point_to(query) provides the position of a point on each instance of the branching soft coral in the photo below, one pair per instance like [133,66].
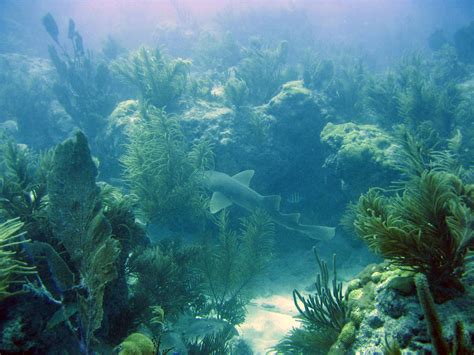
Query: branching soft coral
[232,267]
[83,85]
[323,315]
[160,81]
[23,188]
[427,228]
[163,172]
[165,276]
[10,266]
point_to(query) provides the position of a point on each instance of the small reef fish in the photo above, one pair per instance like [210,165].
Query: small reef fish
[235,189]
[294,198]
[343,185]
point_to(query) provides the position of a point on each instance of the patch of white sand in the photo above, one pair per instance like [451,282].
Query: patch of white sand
[271,316]
[268,320]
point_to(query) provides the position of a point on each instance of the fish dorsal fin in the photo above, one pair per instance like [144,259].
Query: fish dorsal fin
[291,217]
[244,177]
[218,202]
[272,202]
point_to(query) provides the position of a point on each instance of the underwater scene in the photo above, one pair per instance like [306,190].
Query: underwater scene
[236,177]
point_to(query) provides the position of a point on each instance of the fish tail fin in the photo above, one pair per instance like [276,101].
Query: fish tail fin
[318,232]
[291,217]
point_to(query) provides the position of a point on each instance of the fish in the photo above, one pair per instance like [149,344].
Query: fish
[295,198]
[227,190]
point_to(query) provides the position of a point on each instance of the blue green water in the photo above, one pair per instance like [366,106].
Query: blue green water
[230,177]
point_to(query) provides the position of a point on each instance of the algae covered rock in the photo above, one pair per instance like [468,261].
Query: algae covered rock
[237,135]
[211,120]
[292,101]
[360,155]
[125,115]
[27,99]
[389,309]
[344,340]
[136,344]
[293,115]
[355,142]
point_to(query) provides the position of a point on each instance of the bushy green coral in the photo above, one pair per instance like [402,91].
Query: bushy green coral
[232,267]
[212,343]
[382,99]
[419,102]
[307,340]
[83,85]
[236,91]
[23,188]
[163,172]
[263,70]
[464,114]
[323,316]
[423,100]
[17,178]
[10,266]
[317,72]
[159,80]
[419,91]
[346,91]
[118,209]
[427,228]
[326,308]
[165,275]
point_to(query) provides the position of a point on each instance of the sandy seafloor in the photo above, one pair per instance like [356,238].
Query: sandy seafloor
[272,314]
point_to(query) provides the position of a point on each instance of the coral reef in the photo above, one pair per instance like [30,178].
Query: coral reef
[78,221]
[463,42]
[263,70]
[359,142]
[232,266]
[427,228]
[72,247]
[83,85]
[236,92]
[43,121]
[159,80]
[10,266]
[165,275]
[323,316]
[360,155]
[163,172]
[382,304]
[107,239]
[136,344]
